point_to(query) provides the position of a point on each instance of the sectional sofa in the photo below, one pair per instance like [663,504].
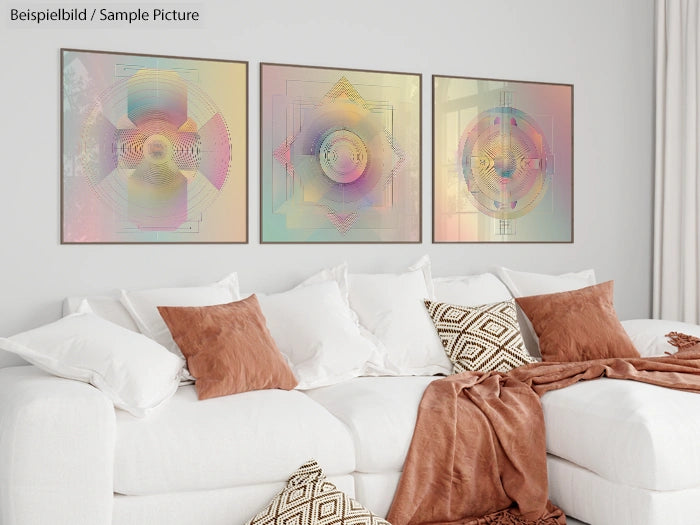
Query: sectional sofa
[619,452]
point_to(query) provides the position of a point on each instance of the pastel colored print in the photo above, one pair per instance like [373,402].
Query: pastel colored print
[340,155]
[503,161]
[154,149]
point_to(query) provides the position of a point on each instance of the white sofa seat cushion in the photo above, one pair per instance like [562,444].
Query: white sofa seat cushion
[242,439]
[627,432]
[649,335]
[233,506]
[380,413]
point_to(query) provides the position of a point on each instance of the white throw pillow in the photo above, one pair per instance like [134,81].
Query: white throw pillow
[317,332]
[136,373]
[143,306]
[470,290]
[338,273]
[105,306]
[391,308]
[523,284]
[649,335]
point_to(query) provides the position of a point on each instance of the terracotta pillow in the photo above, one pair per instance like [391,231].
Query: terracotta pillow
[228,348]
[579,325]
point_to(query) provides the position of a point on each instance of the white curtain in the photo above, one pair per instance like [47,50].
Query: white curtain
[676,278]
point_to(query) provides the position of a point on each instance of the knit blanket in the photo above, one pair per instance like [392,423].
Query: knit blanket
[478,452]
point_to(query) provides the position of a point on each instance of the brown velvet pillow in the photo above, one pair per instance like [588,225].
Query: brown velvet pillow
[578,325]
[228,348]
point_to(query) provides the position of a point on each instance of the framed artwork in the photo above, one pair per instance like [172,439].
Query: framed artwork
[340,155]
[502,161]
[154,149]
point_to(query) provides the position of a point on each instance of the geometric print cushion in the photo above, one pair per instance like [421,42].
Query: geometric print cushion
[480,338]
[309,499]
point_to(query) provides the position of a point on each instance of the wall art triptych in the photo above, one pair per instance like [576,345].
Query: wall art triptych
[155,150]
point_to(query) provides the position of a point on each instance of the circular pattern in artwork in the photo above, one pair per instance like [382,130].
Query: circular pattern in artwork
[506,162]
[341,153]
[156,149]
[343,156]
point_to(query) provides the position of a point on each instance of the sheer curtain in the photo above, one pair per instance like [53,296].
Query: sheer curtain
[677,171]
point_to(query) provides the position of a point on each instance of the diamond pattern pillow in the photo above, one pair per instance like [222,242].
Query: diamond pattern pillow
[480,338]
[310,499]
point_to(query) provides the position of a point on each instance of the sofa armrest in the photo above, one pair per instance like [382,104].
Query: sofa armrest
[56,450]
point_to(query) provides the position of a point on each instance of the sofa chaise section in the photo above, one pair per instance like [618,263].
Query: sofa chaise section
[624,452]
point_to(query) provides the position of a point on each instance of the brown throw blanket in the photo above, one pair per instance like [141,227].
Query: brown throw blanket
[478,452]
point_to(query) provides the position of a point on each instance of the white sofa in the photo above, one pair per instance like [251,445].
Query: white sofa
[620,452]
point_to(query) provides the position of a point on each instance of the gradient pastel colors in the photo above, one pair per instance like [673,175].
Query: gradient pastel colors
[502,161]
[154,149]
[340,155]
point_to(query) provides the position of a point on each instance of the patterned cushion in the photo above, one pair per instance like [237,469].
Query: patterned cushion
[480,338]
[309,499]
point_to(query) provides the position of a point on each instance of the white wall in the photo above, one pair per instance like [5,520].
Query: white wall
[603,47]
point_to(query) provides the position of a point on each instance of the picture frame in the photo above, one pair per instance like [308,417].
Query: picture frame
[502,160]
[154,149]
[340,155]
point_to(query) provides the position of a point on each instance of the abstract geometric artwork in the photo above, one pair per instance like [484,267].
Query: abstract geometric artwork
[154,149]
[502,161]
[340,155]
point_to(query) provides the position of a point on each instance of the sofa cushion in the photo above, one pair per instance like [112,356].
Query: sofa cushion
[233,506]
[317,331]
[470,290]
[627,432]
[380,413]
[242,439]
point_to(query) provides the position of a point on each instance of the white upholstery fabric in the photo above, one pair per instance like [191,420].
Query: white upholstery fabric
[649,335]
[8,359]
[628,432]
[380,413]
[592,499]
[376,491]
[243,439]
[232,506]
[56,450]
